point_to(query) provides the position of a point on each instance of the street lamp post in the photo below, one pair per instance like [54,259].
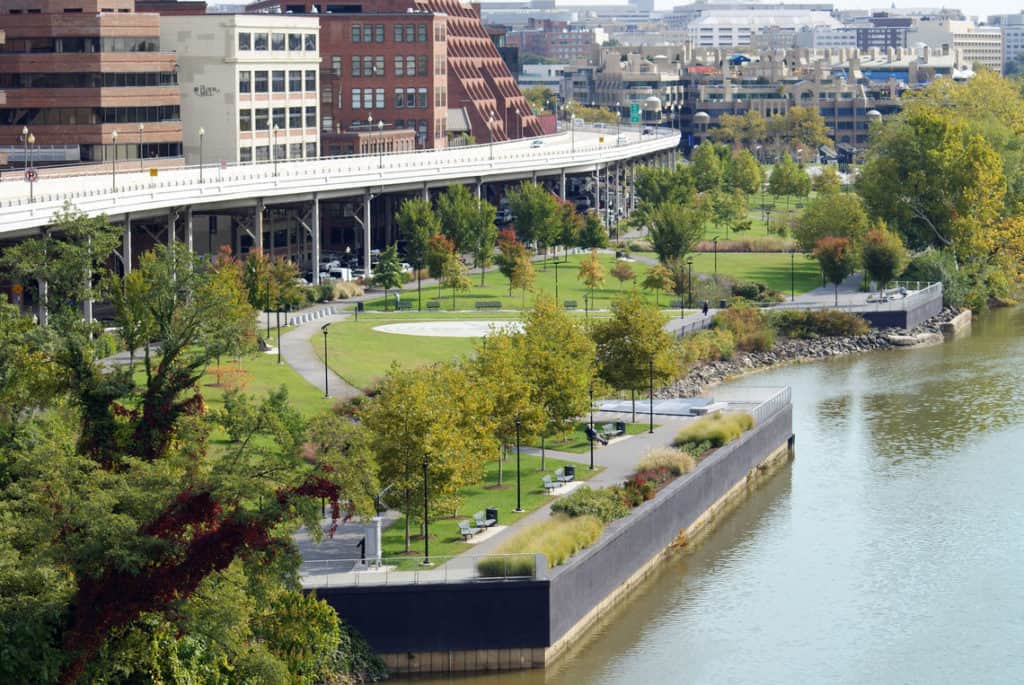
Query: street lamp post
[202,132]
[142,127]
[31,172]
[651,387]
[715,242]
[768,220]
[519,486]
[572,132]
[380,143]
[113,177]
[618,122]
[593,434]
[426,514]
[268,299]
[519,123]
[279,335]
[24,140]
[792,275]
[689,280]
[323,329]
[273,148]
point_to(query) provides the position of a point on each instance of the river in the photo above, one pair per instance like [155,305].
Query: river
[890,551]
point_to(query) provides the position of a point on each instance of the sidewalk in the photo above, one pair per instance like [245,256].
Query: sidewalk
[297,350]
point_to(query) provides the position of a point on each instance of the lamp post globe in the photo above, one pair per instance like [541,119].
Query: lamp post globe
[380,142]
[24,139]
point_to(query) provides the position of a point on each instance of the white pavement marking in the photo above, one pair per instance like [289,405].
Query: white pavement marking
[449,329]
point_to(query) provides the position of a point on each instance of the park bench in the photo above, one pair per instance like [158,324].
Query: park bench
[550,485]
[433,304]
[613,430]
[467,530]
[565,475]
[570,304]
[593,435]
[487,304]
[404,304]
[483,521]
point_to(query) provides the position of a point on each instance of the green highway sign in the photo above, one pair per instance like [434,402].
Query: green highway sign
[634,112]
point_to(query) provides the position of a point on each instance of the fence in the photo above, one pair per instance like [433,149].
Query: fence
[892,302]
[328,573]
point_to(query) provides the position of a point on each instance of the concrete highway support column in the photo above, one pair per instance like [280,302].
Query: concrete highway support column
[315,257]
[561,184]
[259,226]
[189,235]
[478,188]
[426,192]
[389,224]
[126,245]
[172,227]
[366,232]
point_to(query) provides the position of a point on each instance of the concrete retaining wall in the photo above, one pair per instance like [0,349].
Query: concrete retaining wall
[918,311]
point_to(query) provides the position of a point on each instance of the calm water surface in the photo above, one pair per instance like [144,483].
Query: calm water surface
[891,551]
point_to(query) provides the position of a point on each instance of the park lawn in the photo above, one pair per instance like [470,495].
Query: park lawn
[445,540]
[261,374]
[770,268]
[575,441]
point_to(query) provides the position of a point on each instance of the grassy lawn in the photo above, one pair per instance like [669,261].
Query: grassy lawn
[771,268]
[576,441]
[445,539]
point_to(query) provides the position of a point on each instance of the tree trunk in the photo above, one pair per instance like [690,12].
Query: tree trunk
[542,455]
[836,286]
[482,272]
[419,292]
[501,458]
[407,510]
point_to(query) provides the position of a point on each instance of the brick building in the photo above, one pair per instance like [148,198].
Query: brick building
[80,74]
[554,40]
[406,63]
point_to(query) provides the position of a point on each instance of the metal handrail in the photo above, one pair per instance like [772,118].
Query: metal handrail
[359,572]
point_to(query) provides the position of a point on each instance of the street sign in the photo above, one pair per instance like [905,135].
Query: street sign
[634,112]
[31,175]
[153,171]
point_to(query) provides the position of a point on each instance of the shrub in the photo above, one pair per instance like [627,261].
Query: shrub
[704,346]
[696,448]
[717,429]
[800,323]
[749,290]
[751,244]
[748,325]
[107,343]
[557,539]
[934,265]
[676,461]
[505,567]
[344,290]
[602,504]
[324,292]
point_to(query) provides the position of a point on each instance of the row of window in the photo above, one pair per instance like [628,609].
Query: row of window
[263,118]
[373,98]
[274,81]
[418,125]
[401,33]
[105,153]
[89,80]
[49,44]
[80,116]
[277,42]
[263,152]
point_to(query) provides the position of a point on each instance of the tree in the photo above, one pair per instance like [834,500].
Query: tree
[560,363]
[454,276]
[388,274]
[801,130]
[431,414]
[592,114]
[571,224]
[591,272]
[541,98]
[623,271]
[229,328]
[675,230]
[593,234]
[727,209]
[629,343]
[458,211]
[537,214]
[841,215]
[739,130]
[743,173]
[417,223]
[486,233]
[28,376]
[658,279]
[884,255]
[707,167]
[439,250]
[788,179]
[523,275]
[510,252]
[826,181]
[837,260]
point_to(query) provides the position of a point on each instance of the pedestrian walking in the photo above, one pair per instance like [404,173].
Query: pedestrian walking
[704,308]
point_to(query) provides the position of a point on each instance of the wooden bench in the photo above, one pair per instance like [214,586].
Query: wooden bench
[549,485]
[487,304]
[404,304]
[570,304]
[433,304]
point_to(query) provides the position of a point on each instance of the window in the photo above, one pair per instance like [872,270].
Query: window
[295,81]
[245,43]
[368,65]
[378,33]
[421,132]
[294,41]
[410,33]
[277,81]
[399,98]
[410,65]
[245,120]
[245,154]
[295,151]
[421,98]
[439,65]
[336,65]
[355,33]
[410,97]
[281,151]
[398,33]
[262,153]
[326,95]
[357,69]
[310,150]
[357,98]
[421,65]
[294,117]
[310,42]
[245,82]
[279,117]
[399,65]
[378,65]
[439,33]
[367,33]
[327,123]
[310,117]
[378,98]
[310,81]
[262,119]
[261,82]
[277,42]
[260,43]
[421,33]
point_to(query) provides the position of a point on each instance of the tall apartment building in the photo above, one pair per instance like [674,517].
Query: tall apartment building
[555,40]
[249,85]
[89,80]
[1012,27]
[435,51]
[977,44]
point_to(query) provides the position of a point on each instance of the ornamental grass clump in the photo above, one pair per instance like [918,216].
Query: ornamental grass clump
[606,505]
[716,429]
[557,539]
[676,461]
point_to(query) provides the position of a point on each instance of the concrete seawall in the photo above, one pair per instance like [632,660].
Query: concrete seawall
[961,322]
[483,625]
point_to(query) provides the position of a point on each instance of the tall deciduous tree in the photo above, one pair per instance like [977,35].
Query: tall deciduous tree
[788,179]
[827,180]
[591,272]
[570,225]
[841,215]
[454,276]
[707,167]
[658,279]
[485,235]
[622,272]
[837,260]
[675,230]
[458,211]
[388,274]
[439,251]
[593,233]
[884,255]
[537,214]
[629,343]
[523,275]
[510,252]
[743,173]
[417,223]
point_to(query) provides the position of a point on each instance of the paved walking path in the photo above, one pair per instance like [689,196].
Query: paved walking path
[297,350]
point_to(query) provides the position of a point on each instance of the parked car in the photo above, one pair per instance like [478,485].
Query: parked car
[647,131]
[537,143]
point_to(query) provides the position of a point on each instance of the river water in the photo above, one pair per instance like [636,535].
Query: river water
[890,551]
